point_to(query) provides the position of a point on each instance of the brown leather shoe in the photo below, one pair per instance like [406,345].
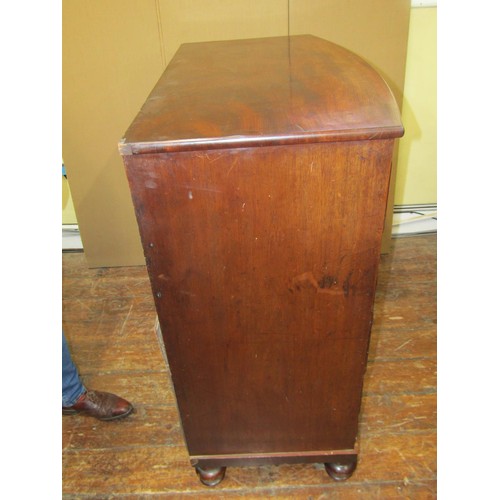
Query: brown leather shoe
[101,405]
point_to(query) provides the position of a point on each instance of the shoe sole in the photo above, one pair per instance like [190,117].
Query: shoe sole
[104,419]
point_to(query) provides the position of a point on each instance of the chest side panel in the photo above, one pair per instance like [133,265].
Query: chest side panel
[263,266]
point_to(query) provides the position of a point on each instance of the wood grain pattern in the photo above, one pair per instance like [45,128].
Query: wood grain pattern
[249,265]
[257,92]
[259,171]
[145,454]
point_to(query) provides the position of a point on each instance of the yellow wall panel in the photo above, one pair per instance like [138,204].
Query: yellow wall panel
[111,60]
[209,20]
[68,209]
[416,182]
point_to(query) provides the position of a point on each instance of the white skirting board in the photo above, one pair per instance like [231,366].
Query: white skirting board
[411,220]
[423,3]
[71,237]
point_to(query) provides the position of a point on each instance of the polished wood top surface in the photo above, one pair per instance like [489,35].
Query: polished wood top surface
[267,91]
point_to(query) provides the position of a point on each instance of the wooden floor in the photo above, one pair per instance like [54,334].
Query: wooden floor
[108,318]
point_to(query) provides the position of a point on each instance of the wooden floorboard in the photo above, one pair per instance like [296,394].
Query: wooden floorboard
[108,318]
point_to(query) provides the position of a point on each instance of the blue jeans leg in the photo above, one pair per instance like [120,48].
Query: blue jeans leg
[72,387]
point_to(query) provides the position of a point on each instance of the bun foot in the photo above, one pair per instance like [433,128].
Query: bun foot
[342,469]
[211,477]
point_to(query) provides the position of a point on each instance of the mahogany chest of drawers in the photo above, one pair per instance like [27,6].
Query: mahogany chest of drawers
[259,172]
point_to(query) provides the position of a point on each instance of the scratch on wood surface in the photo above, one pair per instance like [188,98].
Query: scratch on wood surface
[403,344]
[200,156]
[67,445]
[218,157]
[200,188]
[126,318]
[81,302]
[94,286]
[232,166]
[404,422]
